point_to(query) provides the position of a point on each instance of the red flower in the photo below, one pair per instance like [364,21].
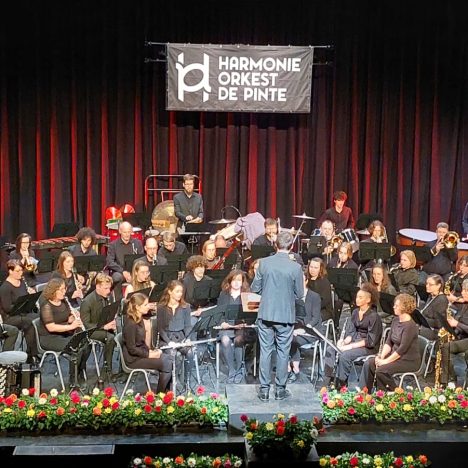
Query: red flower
[244,418]
[147,408]
[359,398]
[168,397]
[203,410]
[60,411]
[343,389]
[115,405]
[150,398]
[179,460]
[105,403]
[280,430]
[293,419]
[280,423]
[200,390]
[409,396]
[147,460]
[333,461]
[157,409]
[340,403]
[180,402]
[138,398]
[398,462]
[75,397]
[41,415]
[423,459]
[351,411]
[73,410]
[21,404]
[9,401]
[108,391]
[32,391]
[464,403]
[354,461]
[53,401]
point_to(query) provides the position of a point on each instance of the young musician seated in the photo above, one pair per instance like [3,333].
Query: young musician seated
[271,231]
[174,322]
[381,281]
[140,278]
[318,282]
[25,255]
[460,345]
[361,337]
[90,313]
[234,337]
[400,352]
[171,246]
[302,335]
[137,346]
[73,282]
[344,258]
[58,324]
[209,254]
[435,307]
[11,289]
[86,238]
[195,274]
[405,274]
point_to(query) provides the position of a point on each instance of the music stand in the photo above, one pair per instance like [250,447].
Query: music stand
[423,253]
[24,304]
[422,293]
[179,261]
[46,265]
[130,259]
[374,251]
[262,251]
[77,341]
[86,263]
[386,302]
[420,320]
[108,314]
[162,274]
[234,313]
[345,282]
[324,339]
[316,246]
[204,292]
[145,291]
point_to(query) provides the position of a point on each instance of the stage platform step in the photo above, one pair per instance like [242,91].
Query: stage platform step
[242,399]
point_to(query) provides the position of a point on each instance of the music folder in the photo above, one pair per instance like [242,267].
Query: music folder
[422,293]
[130,259]
[386,302]
[177,261]
[446,325]
[423,253]
[153,293]
[374,251]
[108,314]
[78,340]
[163,273]
[250,302]
[205,291]
[85,263]
[316,245]
[234,313]
[419,318]
[24,304]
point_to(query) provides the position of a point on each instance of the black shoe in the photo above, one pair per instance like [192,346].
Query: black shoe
[282,393]
[263,395]
[292,377]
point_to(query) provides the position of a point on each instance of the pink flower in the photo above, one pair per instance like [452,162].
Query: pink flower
[200,390]
[215,396]
[351,411]
[380,394]
[244,418]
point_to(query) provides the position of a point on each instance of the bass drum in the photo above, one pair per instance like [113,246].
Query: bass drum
[416,237]
[462,248]
[163,217]
[227,232]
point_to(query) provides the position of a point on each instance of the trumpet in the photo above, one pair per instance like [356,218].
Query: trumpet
[29,264]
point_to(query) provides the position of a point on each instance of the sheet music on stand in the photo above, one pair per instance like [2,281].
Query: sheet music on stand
[262,251]
[130,259]
[178,261]
[422,253]
[108,313]
[374,251]
[78,340]
[420,320]
[86,263]
[24,304]
[164,273]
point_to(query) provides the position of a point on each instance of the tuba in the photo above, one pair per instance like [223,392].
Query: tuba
[451,239]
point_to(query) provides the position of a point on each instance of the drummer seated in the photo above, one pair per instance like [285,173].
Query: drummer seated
[124,245]
[171,246]
[443,257]
[269,237]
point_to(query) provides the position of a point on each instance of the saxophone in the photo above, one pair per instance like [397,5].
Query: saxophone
[444,336]
[448,284]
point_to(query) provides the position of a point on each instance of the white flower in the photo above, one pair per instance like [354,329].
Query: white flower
[365,461]
[42,401]
[166,460]
[191,461]
[441,398]
[137,461]
[96,391]
[25,392]
[125,403]
[314,433]
[238,463]
[53,392]
[451,385]
[433,400]
[409,388]
[158,402]
[129,391]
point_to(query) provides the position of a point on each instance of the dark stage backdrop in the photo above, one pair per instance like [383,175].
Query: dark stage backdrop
[83,118]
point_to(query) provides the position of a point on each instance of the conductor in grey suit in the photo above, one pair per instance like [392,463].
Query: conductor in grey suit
[280,282]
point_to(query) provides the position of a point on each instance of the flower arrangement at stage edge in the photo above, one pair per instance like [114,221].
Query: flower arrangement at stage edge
[282,435]
[102,409]
[384,460]
[193,460]
[401,405]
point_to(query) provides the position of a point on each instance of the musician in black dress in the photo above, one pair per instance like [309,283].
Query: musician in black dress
[174,322]
[58,324]
[405,274]
[24,253]
[361,337]
[124,245]
[435,306]
[400,352]
[86,238]
[137,349]
[455,282]
[73,281]
[340,215]
[234,337]
[318,282]
[449,350]
[11,289]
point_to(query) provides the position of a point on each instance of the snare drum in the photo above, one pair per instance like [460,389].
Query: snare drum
[349,235]
[417,237]
[462,248]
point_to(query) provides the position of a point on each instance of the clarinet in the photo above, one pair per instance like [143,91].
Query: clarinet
[337,355]
[378,355]
[74,312]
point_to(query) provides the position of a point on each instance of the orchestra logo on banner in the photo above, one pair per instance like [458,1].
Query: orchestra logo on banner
[239,78]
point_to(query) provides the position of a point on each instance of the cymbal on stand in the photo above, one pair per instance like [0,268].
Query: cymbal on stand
[222,221]
[303,216]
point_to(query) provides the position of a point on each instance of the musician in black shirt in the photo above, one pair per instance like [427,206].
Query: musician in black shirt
[170,246]
[151,250]
[188,205]
[269,237]
[25,255]
[340,215]
[86,238]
